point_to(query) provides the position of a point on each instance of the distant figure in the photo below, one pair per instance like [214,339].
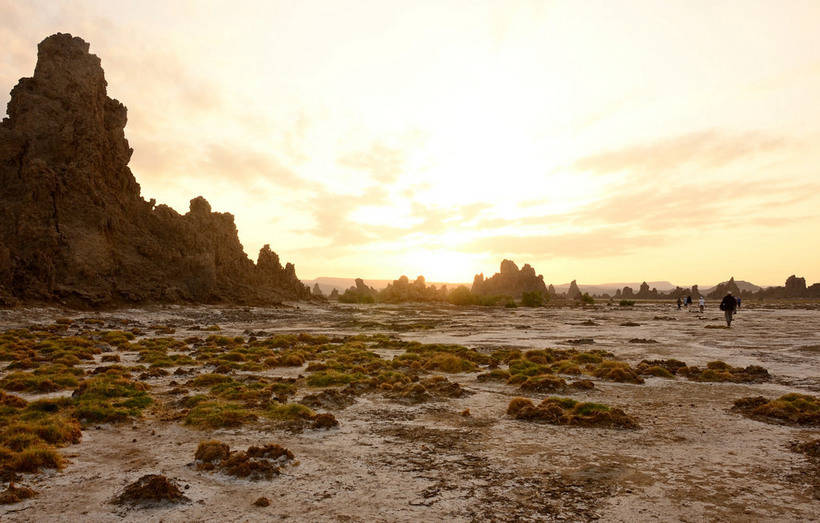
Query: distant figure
[688,301]
[679,302]
[728,306]
[738,303]
[701,304]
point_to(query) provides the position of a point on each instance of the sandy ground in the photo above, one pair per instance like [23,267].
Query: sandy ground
[692,460]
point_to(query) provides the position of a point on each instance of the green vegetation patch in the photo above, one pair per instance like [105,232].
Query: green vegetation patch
[110,399]
[719,371]
[219,414]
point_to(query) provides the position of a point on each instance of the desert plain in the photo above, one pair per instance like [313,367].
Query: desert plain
[449,450]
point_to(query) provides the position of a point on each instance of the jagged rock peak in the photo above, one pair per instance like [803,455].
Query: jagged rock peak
[509,281]
[73,226]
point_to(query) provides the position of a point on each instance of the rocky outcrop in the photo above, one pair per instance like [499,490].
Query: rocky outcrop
[403,290]
[510,281]
[573,293]
[795,287]
[317,291]
[359,293]
[723,288]
[74,227]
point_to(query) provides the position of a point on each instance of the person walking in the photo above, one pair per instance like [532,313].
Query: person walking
[679,302]
[701,304]
[728,306]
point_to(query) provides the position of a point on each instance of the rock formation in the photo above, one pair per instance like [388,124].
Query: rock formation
[721,289]
[573,292]
[317,291]
[359,293]
[73,225]
[402,290]
[795,287]
[510,281]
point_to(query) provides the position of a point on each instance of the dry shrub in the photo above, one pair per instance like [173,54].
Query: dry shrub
[544,383]
[494,375]
[720,371]
[254,463]
[618,371]
[150,489]
[451,363]
[566,411]
[325,421]
[211,450]
[15,494]
[790,409]
[516,404]
[809,448]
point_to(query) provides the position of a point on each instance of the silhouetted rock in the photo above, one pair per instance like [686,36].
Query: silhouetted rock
[359,293]
[723,288]
[73,225]
[510,281]
[795,287]
[573,292]
[402,290]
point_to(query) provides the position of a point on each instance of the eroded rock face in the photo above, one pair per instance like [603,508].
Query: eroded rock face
[795,287]
[721,289]
[73,225]
[573,292]
[510,281]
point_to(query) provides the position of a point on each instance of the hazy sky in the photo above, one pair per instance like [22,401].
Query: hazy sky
[603,141]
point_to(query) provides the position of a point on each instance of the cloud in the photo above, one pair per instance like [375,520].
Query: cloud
[705,149]
[383,163]
[592,244]
[247,165]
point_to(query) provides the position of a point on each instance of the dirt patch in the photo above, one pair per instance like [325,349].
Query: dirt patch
[330,399]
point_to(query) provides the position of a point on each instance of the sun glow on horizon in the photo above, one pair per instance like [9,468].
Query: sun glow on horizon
[598,141]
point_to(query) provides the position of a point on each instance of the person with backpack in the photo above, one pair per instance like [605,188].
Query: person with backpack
[701,304]
[728,306]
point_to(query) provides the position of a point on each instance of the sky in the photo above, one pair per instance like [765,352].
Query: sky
[599,141]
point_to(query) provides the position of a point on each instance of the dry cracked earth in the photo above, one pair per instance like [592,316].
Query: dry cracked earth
[397,457]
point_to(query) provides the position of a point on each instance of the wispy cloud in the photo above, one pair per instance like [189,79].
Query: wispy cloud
[705,149]
[383,163]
